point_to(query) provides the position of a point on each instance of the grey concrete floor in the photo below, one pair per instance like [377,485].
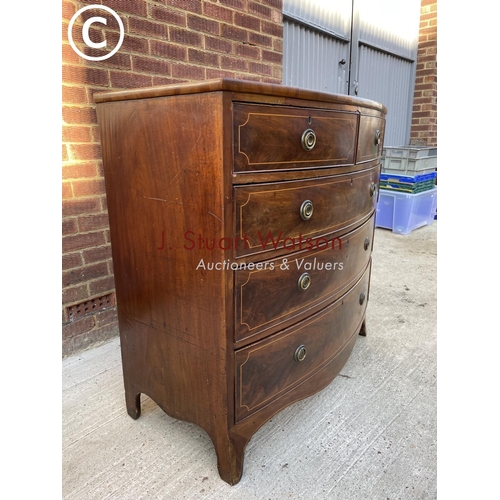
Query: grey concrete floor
[371,434]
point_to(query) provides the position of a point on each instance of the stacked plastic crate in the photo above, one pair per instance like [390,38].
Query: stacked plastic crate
[408,191]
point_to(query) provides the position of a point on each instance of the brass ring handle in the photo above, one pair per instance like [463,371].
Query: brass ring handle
[373,188]
[377,137]
[367,243]
[308,139]
[362,298]
[300,353]
[306,210]
[304,282]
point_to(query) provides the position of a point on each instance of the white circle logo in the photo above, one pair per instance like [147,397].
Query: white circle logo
[85,32]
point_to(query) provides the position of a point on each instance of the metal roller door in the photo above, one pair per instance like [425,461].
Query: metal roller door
[356,47]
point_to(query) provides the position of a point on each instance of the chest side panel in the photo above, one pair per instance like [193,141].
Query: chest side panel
[164,177]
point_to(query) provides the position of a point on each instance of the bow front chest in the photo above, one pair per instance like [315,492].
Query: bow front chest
[242,219]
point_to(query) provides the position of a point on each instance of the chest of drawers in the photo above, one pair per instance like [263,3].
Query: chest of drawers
[241,218]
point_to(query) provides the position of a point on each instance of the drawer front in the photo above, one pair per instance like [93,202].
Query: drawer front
[270,368]
[371,138]
[275,137]
[278,293]
[277,215]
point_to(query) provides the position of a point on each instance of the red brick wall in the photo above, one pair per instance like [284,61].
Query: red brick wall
[165,41]
[424,119]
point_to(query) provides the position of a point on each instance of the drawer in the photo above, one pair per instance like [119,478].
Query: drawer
[371,138]
[278,137]
[266,298]
[276,215]
[270,368]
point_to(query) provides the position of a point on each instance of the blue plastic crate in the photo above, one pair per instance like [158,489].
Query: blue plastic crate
[406,178]
[405,212]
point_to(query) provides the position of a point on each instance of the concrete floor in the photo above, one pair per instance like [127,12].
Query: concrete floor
[371,434]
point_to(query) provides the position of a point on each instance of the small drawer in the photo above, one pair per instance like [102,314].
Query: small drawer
[272,216]
[279,137]
[284,290]
[270,368]
[371,138]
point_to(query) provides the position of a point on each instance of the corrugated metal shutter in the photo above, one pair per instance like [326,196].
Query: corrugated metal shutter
[386,51]
[377,41]
[317,44]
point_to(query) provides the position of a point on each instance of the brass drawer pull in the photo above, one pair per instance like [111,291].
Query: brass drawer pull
[306,210]
[367,243]
[300,353]
[373,188]
[377,137]
[308,139]
[304,281]
[362,298]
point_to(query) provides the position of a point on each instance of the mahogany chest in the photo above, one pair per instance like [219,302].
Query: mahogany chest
[242,219]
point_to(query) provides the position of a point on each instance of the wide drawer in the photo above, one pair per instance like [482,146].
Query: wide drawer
[289,287]
[277,215]
[277,137]
[270,368]
[371,138]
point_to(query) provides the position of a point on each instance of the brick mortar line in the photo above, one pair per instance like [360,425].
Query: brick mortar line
[177,62]
[83,266]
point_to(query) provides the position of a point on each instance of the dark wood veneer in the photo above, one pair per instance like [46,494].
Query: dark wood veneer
[369,147]
[172,165]
[340,203]
[267,369]
[269,298]
[269,138]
